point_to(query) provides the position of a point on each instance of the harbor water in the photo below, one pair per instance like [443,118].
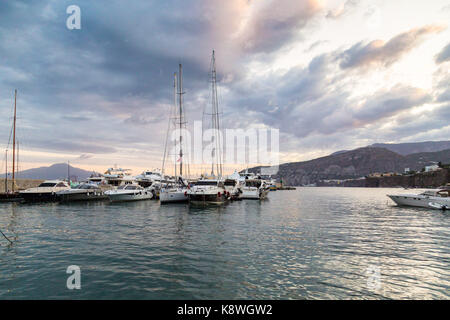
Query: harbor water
[309,243]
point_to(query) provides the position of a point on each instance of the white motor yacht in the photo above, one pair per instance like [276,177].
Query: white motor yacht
[208,191]
[82,192]
[436,199]
[118,176]
[129,192]
[256,189]
[45,192]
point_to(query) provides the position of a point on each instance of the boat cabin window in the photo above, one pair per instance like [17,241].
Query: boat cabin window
[47,184]
[206,183]
[130,187]
[230,182]
[253,183]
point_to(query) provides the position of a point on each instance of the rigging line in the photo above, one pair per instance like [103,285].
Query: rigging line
[6,237]
[170,121]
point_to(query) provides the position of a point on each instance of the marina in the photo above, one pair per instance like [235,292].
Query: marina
[224,150]
[309,243]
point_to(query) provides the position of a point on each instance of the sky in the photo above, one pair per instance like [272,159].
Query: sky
[329,75]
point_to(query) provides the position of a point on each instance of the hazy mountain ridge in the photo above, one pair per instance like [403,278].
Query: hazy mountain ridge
[405,149]
[55,171]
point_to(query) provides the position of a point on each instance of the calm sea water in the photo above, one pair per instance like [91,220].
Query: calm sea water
[311,243]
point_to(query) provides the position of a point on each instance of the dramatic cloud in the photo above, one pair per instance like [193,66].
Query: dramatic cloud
[341,9]
[380,53]
[101,95]
[444,55]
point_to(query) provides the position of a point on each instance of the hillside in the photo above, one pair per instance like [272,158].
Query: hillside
[414,147]
[55,171]
[354,164]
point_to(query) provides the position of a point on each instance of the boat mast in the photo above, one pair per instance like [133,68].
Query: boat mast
[14,142]
[6,170]
[180,92]
[216,151]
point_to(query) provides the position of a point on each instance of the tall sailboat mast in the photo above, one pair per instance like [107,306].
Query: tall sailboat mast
[216,152]
[180,92]
[6,170]
[14,142]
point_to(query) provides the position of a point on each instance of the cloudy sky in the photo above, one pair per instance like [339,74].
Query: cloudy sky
[330,75]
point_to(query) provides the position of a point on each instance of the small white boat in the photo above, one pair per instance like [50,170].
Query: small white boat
[255,189]
[423,200]
[174,195]
[129,192]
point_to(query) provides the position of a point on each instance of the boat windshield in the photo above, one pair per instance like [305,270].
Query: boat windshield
[47,184]
[87,186]
[429,193]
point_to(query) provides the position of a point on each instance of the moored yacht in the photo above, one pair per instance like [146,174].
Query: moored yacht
[212,189]
[45,192]
[149,177]
[129,192]
[118,176]
[97,179]
[82,192]
[208,191]
[178,190]
[256,189]
[434,198]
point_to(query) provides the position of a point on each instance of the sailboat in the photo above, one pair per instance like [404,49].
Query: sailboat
[13,194]
[179,192]
[211,189]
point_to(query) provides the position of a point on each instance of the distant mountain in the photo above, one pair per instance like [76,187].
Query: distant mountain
[354,164]
[414,147]
[55,171]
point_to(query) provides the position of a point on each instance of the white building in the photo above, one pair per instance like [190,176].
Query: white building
[434,167]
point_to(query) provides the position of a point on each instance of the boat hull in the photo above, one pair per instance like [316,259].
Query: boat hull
[31,197]
[10,197]
[81,197]
[418,200]
[123,197]
[254,194]
[204,198]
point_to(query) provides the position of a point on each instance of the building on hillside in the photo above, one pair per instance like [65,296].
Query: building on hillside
[434,167]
